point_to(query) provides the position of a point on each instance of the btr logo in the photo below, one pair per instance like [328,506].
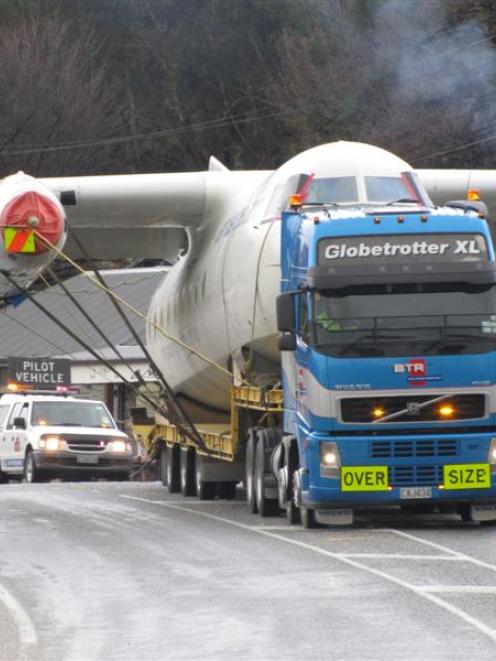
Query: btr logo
[414,367]
[415,370]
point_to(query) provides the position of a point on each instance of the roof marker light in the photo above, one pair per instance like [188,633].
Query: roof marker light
[473,195]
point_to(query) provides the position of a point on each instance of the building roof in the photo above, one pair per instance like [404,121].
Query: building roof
[27,331]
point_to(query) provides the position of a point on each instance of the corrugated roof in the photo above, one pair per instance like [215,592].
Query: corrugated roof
[26,331]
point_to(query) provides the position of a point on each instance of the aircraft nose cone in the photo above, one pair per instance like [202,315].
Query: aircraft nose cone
[31,211]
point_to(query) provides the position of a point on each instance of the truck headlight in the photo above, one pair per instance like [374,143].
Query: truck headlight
[51,443]
[329,459]
[118,446]
[492,454]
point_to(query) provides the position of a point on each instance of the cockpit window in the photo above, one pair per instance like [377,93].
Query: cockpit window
[387,189]
[335,190]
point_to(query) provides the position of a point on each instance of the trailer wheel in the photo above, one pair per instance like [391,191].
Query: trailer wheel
[204,490]
[187,473]
[250,470]
[227,490]
[163,464]
[266,506]
[172,469]
[308,518]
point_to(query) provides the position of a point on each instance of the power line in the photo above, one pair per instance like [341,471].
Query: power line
[219,122]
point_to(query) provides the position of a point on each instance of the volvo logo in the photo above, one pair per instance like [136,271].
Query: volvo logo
[413,408]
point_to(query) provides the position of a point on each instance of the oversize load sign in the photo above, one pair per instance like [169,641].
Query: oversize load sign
[398,249]
[42,372]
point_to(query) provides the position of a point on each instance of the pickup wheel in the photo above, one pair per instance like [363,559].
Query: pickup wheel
[163,464]
[31,472]
[204,490]
[250,470]
[266,506]
[308,518]
[187,476]
[172,469]
[227,490]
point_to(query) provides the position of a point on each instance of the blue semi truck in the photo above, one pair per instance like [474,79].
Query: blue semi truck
[385,393]
[388,339]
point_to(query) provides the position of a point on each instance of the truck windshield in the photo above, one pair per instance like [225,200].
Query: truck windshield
[71,414]
[398,320]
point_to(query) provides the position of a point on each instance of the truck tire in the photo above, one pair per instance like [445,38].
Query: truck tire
[4,478]
[31,472]
[307,515]
[250,470]
[204,490]
[187,472]
[163,464]
[172,470]
[266,506]
[227,490]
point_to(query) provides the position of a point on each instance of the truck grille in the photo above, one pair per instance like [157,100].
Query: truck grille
[413,408]
[410,476]
[83,443]
[439,447]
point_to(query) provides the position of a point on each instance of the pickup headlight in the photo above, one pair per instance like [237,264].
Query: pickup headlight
[492,454]
[51,443]
[329,459]
[119,446]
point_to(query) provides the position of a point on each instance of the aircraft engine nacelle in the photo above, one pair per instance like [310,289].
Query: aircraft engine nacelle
[29,213]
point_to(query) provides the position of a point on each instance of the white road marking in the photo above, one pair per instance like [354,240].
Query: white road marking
[459,589]
[401,556]
[28,639]
[439,547]
[454,610]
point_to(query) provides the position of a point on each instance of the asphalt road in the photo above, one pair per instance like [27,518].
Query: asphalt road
[107,571]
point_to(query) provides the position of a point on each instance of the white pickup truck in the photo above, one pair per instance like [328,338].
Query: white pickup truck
[44,436]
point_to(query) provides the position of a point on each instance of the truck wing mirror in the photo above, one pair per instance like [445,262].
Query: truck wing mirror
[287,342]
[286,312]
[19,423]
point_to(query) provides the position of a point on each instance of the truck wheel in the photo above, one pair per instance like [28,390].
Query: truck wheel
[227,490]
[308,518]
[250,471]
[4,478]
[292,513]
[204,490]
[163,464]
[188,482]
[266,506]
[172,470]
[31,472]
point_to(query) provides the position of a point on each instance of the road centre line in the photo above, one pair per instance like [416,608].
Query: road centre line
[454,610]
[28,639]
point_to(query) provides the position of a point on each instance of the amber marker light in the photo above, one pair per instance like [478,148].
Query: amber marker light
[295,200]
[12,387]
[441,486]
[473,195]
[378,412]
[446,411]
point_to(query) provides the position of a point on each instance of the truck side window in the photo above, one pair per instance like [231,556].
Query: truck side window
[303,317]
[16,412]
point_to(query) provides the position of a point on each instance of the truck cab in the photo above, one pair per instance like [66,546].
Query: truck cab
[47,435]
[388,315]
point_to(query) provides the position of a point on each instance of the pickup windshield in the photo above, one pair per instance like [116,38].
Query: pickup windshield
[71,414]
[398,320]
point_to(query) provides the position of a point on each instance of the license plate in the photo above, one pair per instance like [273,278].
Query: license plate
[467,476]
[364,478]
[336,517]
[483,512]
[87,459]
[415,492]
